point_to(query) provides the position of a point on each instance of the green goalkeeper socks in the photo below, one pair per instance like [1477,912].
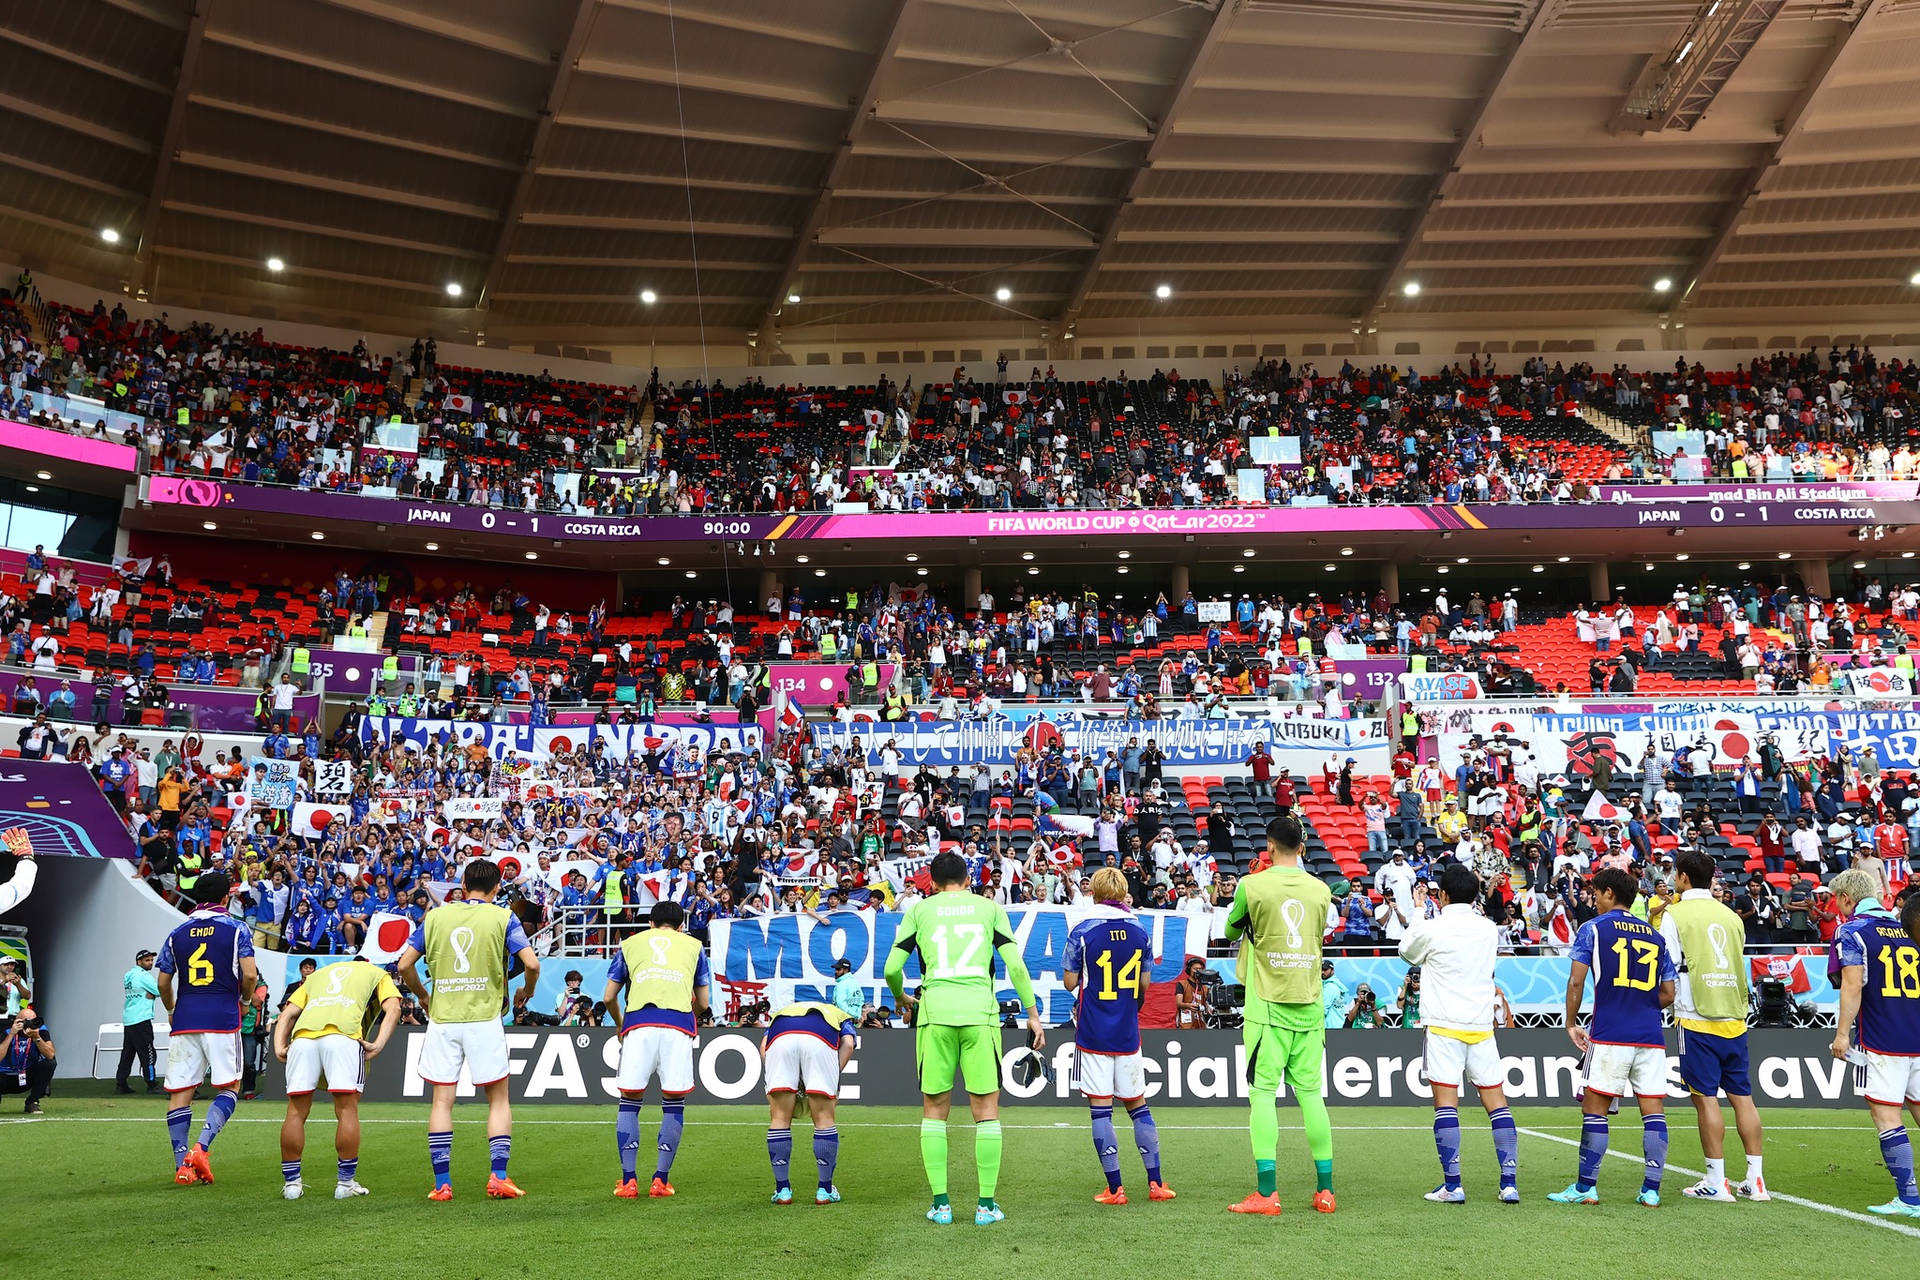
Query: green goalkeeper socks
[933,1154]
[986,1155]
[1263,1175]
[1323,1175]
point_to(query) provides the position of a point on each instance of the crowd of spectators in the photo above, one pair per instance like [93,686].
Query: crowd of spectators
[242,406]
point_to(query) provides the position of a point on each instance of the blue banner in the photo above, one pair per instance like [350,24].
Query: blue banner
[1297,742]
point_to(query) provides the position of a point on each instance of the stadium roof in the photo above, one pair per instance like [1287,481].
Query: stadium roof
[1281,165]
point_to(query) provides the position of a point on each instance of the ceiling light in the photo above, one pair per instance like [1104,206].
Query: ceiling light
[208,525]
[922,571]
[1685,49]
[793,297]
[1906,555]
[1026,555]
[276,264]
[433,546]
[1564,559]
[1239,568]
[1164,292]
[110,235]
[1539,568]
[453,289]
[1247,552]
[1121,569]
[803,559]
[319,536]
[1744,564]
[1680,555]
[912,556]
[1411,288]
[1461,559]
[1786,555]
[1003,294]
[533,555]
[1329,567]
[693,573]
[1346,551]
[1442,569]
[1650,568]
[33,488]
[1663,284]
[1126,555]
[819,573]
[649,297]
[43,475]
[665,561]
[1914,278]
[1859,564]
[1033,569]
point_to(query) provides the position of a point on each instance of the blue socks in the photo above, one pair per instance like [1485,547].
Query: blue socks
[348,1168]
[780,1156]
[826,1153]
[440,1151]
[1593,1148]
[180,1119]
[1506,1145]
[219,1111]
[1897,1150]
[1446,1139]
[626,1134]
[1106,1145]
[1653,1145]
[500,1148]
[1146,1140]
[290,1170]
[673,1119]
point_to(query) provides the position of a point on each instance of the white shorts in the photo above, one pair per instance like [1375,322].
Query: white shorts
[480,1046]
[649,1051]
[798,1062]
[341,1059]
[1618,1070]
[1888,1079]
[194,1057]
[1111,1075]
[1457,1064]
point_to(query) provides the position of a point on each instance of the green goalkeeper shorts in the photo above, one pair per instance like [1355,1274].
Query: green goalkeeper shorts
[1277,1051]
[972,1051]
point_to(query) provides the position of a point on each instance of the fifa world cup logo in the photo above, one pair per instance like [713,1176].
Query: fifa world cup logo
[659,946]
[1722,952]
[461,940]
[1293,914]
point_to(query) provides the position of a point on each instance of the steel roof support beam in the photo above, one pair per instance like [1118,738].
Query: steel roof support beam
[197,11]
[568,58]
[1197,55]
[1537,24]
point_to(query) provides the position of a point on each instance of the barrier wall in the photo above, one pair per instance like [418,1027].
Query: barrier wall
[1183,1069]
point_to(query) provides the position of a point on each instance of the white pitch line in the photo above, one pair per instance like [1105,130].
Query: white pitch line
[1817,1205]
[318,1118]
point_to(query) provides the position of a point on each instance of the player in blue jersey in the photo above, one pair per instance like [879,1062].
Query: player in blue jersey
[210,956]
[1879,959]
[1634,979]
[1108,961]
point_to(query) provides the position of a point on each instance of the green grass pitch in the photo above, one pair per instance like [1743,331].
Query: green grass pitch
[89,1194]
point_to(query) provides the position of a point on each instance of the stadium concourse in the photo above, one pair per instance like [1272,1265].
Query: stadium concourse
[606,604]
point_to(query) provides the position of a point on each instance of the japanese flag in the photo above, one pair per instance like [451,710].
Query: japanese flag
[313,820]
[1599,809]
[874,417]
[458,404]
[387,936]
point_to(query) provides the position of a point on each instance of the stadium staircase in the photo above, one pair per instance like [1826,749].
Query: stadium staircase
[1632,435]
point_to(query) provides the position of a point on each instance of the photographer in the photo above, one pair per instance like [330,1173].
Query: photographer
[27,1059]
[1364,1013]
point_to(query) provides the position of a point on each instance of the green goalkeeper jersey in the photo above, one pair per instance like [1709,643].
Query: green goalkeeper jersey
[957,935]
